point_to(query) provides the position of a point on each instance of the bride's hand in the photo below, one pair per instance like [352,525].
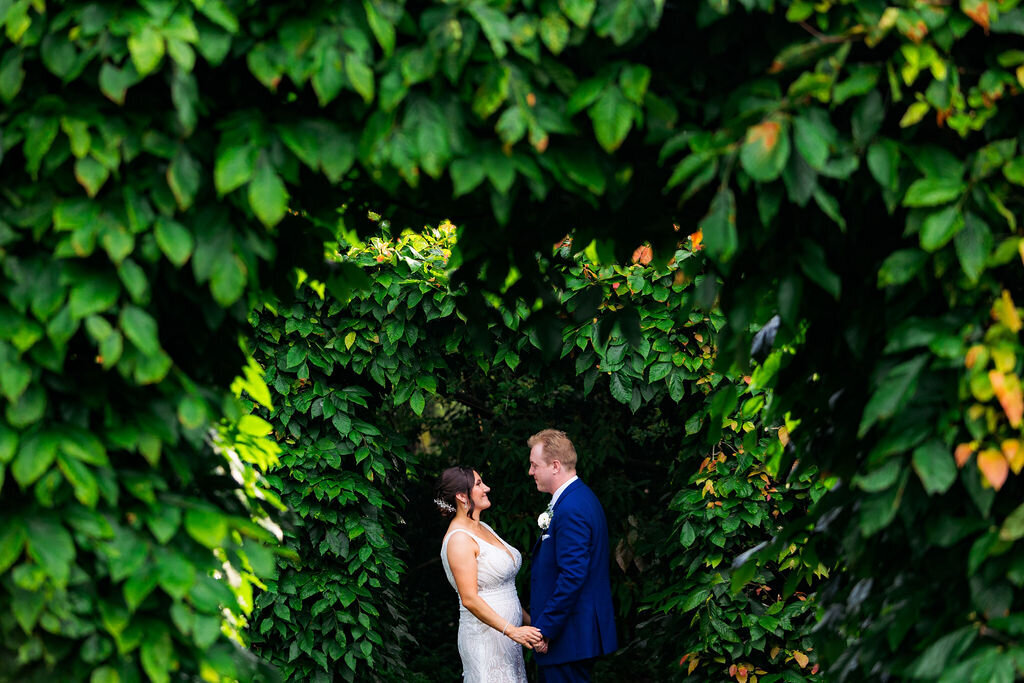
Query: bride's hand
[527,636]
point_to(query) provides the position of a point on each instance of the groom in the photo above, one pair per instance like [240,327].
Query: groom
[570,593]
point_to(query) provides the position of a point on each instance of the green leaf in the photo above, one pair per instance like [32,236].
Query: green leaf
[495,25]
[141,329]
[12,74]
[183,177]
[940,227]
[766,150]
[687,535]
[612,116]
[81,479]
[105,674]
[207,526]
[175,241]
[659,371]
[417,402]
[52,547]
[163,521]
[934,464]
[8,444]
[28,409]
[229,279]
[36,454]
[586,93]
[867,118]
[78,135]
[467,174]
[360,76]
[578,11]
[901,266]
[233,168]
[973,246]
[621,387]
[1014,171]
[267,194]
[554,32]
[811,141]
[139,585]
[254,426]
[114,82]
[1011,530]
[634,80]
[91,175]
[147,49]
[39,137]
[933,191]
[95,295]
[881,478]
[891,392]
[175,574]
[217,12]
[382,29]
[719,226]
[812,262]
[883,161]
[934,660]
[12,541]
[338,152]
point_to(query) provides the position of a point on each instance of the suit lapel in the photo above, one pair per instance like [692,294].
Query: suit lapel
[561,499]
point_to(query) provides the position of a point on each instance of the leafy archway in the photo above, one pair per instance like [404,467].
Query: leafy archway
[375,394]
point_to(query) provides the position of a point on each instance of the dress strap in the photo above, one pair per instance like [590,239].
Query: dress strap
[455,531]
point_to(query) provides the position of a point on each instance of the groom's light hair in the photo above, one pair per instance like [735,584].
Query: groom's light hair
[557,446]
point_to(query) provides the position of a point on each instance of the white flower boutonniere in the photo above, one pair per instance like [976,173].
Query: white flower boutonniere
[544,520]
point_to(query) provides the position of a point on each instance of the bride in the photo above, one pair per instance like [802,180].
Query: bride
[482,568]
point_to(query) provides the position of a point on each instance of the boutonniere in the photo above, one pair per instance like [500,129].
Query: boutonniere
[544,520]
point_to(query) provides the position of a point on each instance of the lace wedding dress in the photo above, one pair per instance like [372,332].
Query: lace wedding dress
[488,656]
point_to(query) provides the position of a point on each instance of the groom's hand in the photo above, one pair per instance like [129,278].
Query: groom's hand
[542,646]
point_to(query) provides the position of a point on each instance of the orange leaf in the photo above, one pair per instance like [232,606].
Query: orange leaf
[800,658]
[642,255]
[741,674]
[696,239]
[774,652]
[767,133]
[1008,390]
[979,13]
[994,467]
[732,671]
[693,665]
[1014,454]
[962,453]
[972,355]
[814,669]
[1005,312]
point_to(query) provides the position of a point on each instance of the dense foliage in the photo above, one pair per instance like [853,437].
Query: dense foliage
[398,353]
[151,154]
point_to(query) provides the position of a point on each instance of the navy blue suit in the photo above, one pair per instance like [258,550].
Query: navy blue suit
[570,590]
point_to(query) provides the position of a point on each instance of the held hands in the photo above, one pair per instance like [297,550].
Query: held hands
[527,636]
[542,646]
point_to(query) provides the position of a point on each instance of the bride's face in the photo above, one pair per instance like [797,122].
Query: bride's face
[479,493]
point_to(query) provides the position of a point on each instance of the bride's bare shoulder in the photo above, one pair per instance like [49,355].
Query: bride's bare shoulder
[460,542]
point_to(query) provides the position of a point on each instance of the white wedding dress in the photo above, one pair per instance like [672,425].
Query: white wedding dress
[488,656]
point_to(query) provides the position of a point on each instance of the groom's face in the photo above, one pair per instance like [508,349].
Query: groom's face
[542,472]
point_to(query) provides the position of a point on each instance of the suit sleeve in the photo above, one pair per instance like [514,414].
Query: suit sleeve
[573,545]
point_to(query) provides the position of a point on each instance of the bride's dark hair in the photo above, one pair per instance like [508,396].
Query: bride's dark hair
[452,481]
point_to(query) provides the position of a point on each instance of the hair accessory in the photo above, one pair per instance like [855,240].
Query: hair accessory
[443,506]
